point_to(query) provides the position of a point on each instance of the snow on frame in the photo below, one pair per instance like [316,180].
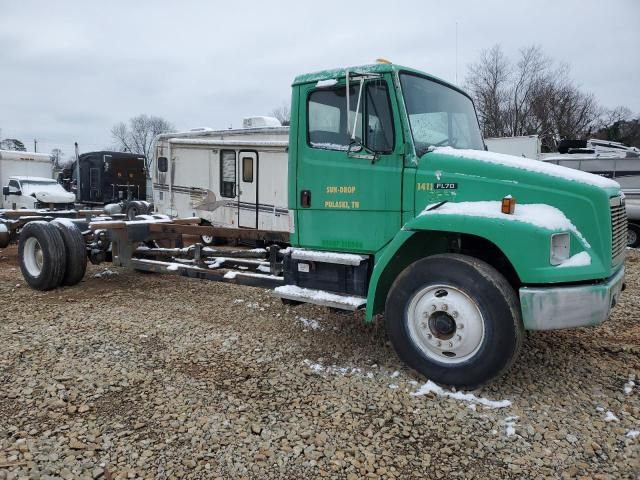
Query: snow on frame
[536,214]
[431,387]
[319,295]
[531,166]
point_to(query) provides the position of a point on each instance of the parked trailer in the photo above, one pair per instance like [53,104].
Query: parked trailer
[229,178]
[397,209]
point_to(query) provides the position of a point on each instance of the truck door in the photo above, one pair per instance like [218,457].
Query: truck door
[248,189]
[348,200]
[94,185]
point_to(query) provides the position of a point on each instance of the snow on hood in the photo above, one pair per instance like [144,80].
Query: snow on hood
[531,166]
[47,192]
[537,214]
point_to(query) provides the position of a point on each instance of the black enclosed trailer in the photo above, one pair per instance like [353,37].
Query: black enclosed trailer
[107,177]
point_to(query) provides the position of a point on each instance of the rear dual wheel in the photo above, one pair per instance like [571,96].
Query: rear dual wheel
[51,254]
[455,319]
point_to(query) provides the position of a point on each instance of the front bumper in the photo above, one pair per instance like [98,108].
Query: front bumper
[551,308]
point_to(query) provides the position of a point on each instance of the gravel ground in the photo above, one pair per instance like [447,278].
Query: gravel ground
[130,375]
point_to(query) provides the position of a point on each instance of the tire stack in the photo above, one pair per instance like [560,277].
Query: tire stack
[52,254]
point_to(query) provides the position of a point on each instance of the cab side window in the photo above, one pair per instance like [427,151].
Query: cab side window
[14,186]
[328,121]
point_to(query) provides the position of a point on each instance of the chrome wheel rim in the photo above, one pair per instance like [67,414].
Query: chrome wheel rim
[207,238]
[33,257]
[445,324]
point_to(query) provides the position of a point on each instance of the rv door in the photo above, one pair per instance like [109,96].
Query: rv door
[248,189]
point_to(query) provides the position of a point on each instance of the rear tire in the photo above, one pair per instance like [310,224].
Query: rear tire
[633,235]
[76,251]
[455,319]
[5,236]
[42,254]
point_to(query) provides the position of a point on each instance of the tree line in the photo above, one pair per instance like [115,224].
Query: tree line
[530,95]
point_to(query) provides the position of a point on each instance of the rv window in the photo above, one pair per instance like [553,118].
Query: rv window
[228,173]
[163,164]
[328,120]
[247,169]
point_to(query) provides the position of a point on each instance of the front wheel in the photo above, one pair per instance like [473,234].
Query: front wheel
[455,319]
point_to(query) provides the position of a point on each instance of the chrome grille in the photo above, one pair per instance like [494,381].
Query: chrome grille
[618,228]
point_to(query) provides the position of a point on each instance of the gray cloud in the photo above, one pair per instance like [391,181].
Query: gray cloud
[70,70]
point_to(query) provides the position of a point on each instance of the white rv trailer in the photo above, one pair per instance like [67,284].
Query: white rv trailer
[15,163]
[230,178]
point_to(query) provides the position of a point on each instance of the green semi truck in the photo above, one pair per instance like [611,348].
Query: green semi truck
[396,208]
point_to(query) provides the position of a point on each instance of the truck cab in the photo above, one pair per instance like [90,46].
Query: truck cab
[35,193]
[460,248]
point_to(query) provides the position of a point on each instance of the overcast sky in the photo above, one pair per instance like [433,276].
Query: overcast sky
[69,70]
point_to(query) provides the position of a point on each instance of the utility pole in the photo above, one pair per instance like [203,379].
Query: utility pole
[35,144]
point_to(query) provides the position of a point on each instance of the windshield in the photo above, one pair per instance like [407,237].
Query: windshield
[439,115]
[33,186]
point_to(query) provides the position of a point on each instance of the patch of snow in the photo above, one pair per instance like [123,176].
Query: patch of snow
[238,300]
[326,83]
[264,269]
[628,387]
[3,228]
[581,259]
[633,434]
[309,323]
[333,369]
[610,417]
[105,273]
[395,374]
[173,267]
[531,166]
[537,214]
[319,295]
[431,387]
[393,386]
[472,406]
[330,146]
[327,257]
[231,275]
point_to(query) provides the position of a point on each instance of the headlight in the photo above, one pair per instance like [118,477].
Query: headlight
[560,248]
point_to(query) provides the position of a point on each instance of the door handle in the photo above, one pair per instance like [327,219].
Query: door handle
[305,198]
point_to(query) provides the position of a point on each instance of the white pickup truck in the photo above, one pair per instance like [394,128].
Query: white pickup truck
[35,193]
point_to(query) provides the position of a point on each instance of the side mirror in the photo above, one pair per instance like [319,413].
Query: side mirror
[163,164]
[5,191]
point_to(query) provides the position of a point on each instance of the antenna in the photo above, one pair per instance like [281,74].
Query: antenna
[456,53]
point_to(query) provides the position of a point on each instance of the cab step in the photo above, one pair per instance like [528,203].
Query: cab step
[320,297]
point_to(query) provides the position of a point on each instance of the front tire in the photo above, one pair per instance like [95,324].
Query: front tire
[455,319]
[42,255]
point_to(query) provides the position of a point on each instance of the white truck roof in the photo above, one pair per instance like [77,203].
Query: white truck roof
[17,155]
[24,178]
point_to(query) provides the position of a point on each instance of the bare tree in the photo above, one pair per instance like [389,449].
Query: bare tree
[56,155]
[529,97]
[137,136]
[282,113]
